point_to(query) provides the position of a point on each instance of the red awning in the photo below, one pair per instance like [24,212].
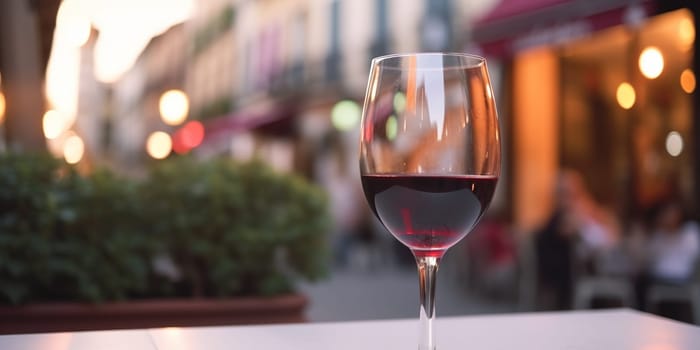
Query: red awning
[225,126]
[514,25]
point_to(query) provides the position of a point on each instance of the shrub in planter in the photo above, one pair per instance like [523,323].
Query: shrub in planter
[26,186]
[236,229]
[102,228]
[66,237]
[230,229]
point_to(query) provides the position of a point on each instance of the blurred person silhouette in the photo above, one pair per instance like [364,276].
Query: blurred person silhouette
[672,249]
[577,234]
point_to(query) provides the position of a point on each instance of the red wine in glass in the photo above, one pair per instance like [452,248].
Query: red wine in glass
[428,213]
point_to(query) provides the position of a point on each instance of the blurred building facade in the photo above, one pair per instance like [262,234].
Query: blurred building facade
[263,78]
[576,93]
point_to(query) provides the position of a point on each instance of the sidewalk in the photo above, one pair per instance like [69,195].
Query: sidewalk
[390,292]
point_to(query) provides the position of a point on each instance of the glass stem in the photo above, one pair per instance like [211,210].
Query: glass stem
[427,273]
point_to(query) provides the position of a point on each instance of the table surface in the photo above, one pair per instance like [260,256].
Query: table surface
[579,330]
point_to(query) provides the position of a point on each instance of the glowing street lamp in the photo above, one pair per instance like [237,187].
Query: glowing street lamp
[53,124]
[174,106]
[651,62]
[190,136]
[674,143]
[73,149]
[159,145]
[626,96]
[688,81]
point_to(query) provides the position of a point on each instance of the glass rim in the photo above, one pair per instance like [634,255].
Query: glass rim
[480,60]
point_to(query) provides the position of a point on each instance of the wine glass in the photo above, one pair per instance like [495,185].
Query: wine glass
[429,156]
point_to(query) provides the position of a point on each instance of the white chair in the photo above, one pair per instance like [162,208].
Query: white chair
[610,283]
[590,287]
[689,293]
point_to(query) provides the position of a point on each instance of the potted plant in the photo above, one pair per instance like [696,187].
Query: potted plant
[227,239]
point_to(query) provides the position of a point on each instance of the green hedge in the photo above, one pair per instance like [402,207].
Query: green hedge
[228,229]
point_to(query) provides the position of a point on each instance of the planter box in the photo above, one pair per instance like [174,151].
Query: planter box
[57,317]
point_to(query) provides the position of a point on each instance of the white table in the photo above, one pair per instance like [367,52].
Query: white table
[612,329]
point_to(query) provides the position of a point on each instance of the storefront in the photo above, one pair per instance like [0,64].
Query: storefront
[605,88]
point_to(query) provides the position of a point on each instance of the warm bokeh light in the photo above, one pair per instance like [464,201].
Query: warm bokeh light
[2,107]
[674,143]
[626,95]
[53,124]
[73,149]
[178,147]
[192,134]
[688,81]
[345,115]
[686,33]
[159,145]
[174,106]
[188,137]
[651,62]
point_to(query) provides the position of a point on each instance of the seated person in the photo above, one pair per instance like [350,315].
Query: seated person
[579,232]
[674,246]
[672,250]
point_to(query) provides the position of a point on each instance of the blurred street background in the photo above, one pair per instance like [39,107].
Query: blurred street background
[598,198]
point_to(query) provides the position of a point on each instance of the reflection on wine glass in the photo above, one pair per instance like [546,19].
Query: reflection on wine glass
[429,156]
